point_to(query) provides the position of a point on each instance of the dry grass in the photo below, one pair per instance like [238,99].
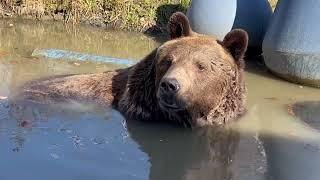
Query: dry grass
[273,3]
[120,14]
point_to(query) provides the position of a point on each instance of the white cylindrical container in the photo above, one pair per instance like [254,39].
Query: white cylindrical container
[291,46]
[212,17]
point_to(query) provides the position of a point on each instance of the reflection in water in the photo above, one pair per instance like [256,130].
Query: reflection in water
[104,138]
[292,147]
[26,36]
[292,159]
[178,154]
[68,141]
[309,112]
[297,157]
[268,100]
[17,65]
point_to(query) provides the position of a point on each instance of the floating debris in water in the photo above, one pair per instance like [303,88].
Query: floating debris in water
[261,170]
[77,142]
[54,146]
[293,99]
[25,124]
[13,62]
[3,53]
[290,110]
[68,131]
[16,149]
[54,156]
[271,98]
[3,97]
[98,141]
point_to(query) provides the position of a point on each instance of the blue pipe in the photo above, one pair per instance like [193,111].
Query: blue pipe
[64,54]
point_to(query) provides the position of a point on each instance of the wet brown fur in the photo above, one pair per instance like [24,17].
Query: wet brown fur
[211,72]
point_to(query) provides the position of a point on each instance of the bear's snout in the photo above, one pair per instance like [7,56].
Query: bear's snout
[168,94]
[169,85]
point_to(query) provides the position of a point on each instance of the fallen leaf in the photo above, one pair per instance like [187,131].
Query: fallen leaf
[3,53]
[13,62]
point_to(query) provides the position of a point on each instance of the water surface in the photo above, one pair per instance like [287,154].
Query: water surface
[81,141]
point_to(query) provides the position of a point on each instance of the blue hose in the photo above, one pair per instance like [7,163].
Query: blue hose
[71,55]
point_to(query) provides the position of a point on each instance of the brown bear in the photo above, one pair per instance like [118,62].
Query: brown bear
[192,79]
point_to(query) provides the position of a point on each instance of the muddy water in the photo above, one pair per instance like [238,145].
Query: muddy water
[80,141]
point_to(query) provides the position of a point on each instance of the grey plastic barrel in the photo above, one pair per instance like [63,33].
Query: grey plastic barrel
[253,16]
[291,47]
[212,17]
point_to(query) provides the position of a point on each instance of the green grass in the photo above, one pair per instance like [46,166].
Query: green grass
[120,14]
[138,15]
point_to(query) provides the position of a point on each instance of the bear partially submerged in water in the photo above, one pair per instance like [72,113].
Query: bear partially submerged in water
[192,79]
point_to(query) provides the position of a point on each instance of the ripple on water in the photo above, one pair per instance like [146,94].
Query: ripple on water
[80,141]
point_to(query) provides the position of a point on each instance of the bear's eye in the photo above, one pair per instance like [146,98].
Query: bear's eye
[201,66]
[166,62]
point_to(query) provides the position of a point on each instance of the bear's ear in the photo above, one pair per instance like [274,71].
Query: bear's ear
[236,42]
[179,26]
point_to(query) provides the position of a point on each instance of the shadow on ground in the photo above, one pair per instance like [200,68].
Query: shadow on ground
[255,64]
[163,14]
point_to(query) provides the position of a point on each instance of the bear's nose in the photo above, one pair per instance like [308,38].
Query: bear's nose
[170,85]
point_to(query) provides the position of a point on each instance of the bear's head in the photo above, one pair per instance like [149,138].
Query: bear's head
[200,75]
[192,79]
